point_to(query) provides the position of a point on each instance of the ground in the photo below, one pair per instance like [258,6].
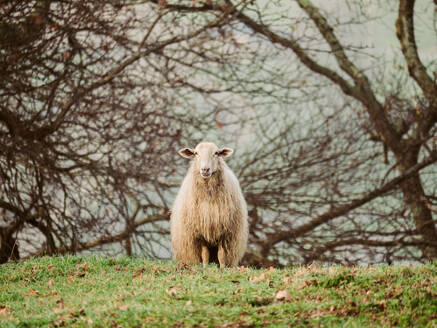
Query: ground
[123,292]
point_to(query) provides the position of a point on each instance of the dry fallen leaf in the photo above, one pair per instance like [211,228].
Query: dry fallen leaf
[89,320]
[271,269]
[183,266]
[60,307]
[82,266]
[261,277]
[70,279]
[306,283]
[301,272]
[237,291]
[50,267]
[138,275]
[287,279]
[283,296]
[4,312]
[32,292]
[123,307]
[173,290]
[51,283]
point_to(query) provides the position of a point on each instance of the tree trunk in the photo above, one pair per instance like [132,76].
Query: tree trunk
[128,246]
[414,196]
[8,246]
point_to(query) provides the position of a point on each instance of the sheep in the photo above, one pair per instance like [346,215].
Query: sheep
[208,219]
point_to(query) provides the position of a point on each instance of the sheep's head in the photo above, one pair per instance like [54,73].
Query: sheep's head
[207,156]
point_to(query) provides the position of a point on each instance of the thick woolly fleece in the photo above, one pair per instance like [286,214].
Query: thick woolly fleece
[211,211]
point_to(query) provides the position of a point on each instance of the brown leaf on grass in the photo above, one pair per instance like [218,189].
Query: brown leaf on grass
[82,266]
[183,266]
[50,267]
[317,269]
[77,314]
[287,279]
[301,271]
[271,270]
[60,306]
[32,292]
[261,277]
[51,283]
[137,275]
[123,307]
[82,269]
[283,296]
[306,283]
[382,304]
[4,311]
[237,291]
[173,291]
[70,279]
[352,303]
[156,270]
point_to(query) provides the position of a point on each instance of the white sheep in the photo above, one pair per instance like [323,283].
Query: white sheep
[209,216]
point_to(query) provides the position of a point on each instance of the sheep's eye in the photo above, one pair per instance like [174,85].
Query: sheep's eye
[195,153]
[216,153]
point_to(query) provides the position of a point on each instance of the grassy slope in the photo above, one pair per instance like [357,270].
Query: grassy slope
[82,292]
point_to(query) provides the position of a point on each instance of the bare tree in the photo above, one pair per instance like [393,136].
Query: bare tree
[349,202]
[407,136]
[93,97]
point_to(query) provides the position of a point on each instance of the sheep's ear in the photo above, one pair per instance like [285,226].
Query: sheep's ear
[186,152]
[225,152]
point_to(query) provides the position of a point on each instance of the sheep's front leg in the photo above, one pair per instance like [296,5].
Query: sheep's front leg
[205,255]
[221,255]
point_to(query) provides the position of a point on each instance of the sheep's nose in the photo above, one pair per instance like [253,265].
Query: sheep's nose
[205,170]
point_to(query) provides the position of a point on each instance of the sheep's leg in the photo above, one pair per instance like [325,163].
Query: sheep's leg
[205,255]
[221,255]
[187,251]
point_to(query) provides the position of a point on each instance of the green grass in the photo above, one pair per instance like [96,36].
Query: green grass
[102,292]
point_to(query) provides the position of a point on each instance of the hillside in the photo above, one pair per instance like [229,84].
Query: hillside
[124,292]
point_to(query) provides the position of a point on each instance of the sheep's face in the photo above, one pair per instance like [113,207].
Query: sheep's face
[207,156]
